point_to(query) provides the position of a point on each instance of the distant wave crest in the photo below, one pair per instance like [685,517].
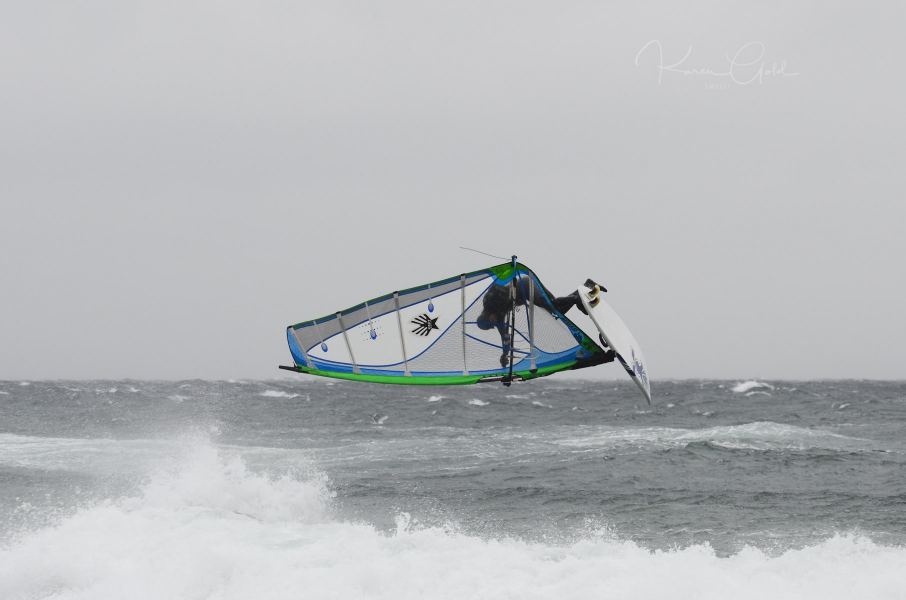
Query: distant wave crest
[277,394]
[748,386]
[760,435]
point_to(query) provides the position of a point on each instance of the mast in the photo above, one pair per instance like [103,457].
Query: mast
[512,332]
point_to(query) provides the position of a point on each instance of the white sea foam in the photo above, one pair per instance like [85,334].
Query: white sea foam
[760,435]
[277,394]
[477,402]
[747,386]
[211,528]
[4,393]
[75,454]
[435,398]
[541,404]
[129,457]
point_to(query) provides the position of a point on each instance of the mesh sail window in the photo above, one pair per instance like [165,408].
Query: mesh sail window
[453,331]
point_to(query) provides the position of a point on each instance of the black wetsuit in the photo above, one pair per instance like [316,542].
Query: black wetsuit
[497,304]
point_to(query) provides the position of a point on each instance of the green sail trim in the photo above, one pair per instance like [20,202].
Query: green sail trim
[434,379]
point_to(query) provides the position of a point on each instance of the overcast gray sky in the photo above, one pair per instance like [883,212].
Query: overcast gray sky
[181,180]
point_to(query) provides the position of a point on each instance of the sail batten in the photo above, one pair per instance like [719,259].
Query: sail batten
[399,324]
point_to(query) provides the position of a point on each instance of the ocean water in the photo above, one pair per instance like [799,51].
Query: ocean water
[304,488]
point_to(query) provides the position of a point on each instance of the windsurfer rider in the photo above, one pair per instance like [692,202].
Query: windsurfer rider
[498,302]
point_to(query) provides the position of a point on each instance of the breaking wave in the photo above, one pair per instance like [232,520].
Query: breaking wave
[211,527]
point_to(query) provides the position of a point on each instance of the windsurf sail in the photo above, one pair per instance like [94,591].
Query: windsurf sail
[494,324]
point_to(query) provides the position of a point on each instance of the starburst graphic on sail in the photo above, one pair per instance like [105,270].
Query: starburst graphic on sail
[424,324]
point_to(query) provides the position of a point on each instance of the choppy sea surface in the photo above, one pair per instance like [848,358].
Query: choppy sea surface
[304,488]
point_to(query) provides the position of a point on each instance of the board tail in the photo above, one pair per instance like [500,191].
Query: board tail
[617,335]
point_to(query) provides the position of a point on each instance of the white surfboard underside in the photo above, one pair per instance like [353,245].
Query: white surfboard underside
[619,338]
